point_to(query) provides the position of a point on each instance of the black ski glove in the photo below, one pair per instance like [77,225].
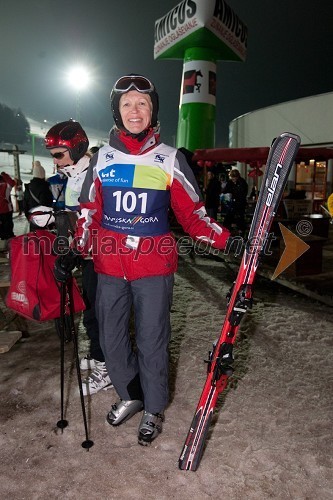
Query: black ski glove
[65,264]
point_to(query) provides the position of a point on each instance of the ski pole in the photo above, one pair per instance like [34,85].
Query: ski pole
[87,443]
[62,423]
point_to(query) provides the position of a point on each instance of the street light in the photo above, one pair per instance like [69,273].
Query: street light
[79,79]
[33,136]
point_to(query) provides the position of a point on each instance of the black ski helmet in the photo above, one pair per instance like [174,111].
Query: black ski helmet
[133,82]
[69,135]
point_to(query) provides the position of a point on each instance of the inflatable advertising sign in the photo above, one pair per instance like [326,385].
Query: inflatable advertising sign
[200,32]
[201,23]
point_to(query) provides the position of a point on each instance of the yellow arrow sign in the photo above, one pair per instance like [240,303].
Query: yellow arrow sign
[294,248]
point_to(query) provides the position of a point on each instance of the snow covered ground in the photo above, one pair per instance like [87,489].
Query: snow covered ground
[271,436]
[7,165]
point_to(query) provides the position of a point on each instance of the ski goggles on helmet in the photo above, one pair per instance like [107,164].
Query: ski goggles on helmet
[60,155]
[139,83]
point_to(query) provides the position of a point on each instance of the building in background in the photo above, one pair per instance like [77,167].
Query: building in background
[311,119]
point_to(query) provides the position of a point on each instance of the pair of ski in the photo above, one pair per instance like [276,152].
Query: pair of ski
[280,160]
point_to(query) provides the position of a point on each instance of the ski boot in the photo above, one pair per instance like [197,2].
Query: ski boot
[123,410]
[97,380]
[150,427]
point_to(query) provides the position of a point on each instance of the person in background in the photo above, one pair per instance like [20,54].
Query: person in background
[125,199]
[58,183]
[213,191]
[93,150]
[237,187]
[19,195]
[6,207]
[68,144]
[223,181]
[36,193]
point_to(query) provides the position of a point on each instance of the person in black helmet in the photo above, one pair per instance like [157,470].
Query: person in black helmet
[68,145]
[125,201]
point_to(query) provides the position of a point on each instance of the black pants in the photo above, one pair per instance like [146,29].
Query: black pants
[147,367]
[235,217]
[212,212]
[6,226]
[89,285]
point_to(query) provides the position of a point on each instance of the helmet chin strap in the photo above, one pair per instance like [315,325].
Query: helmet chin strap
[139,137]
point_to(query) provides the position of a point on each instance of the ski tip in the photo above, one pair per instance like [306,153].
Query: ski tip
[289,135]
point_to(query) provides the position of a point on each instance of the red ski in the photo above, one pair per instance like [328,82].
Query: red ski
[280,159]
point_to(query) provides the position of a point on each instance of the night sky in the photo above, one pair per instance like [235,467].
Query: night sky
[290,55]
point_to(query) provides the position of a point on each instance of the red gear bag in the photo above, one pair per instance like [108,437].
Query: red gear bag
[34,292]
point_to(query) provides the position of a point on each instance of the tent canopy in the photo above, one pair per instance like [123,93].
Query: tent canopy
[258,155]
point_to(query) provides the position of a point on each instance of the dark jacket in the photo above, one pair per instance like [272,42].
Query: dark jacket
[213,192]
[238,192]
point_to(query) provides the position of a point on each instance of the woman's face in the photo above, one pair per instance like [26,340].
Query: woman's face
[61,157]
[135,110]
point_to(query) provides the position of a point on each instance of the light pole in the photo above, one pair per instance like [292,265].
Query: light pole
[79,79]
[33,137]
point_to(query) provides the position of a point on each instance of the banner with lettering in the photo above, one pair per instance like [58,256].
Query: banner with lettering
[204,23]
